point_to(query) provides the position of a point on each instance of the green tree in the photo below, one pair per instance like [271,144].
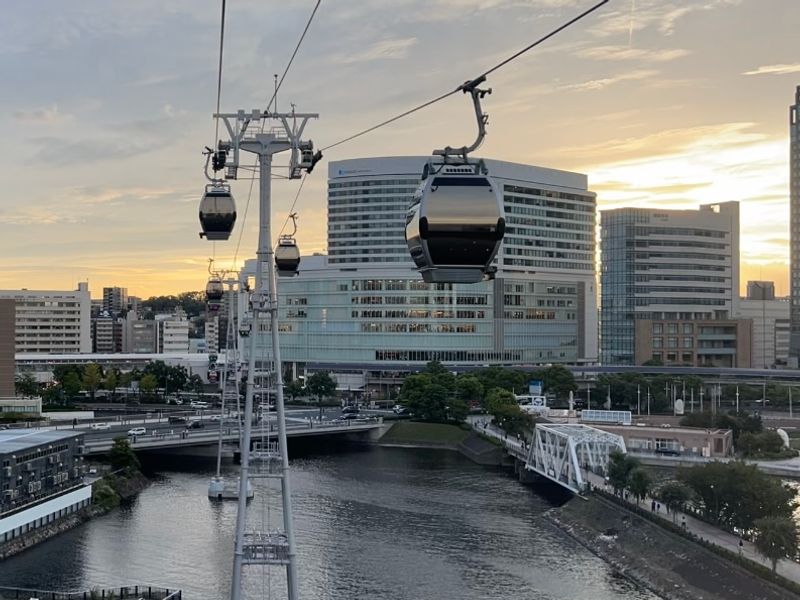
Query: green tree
[498,397]
[26,384]
[122,455]
[557,380]
[148,385]
[92,379]
[294,388]
[321,385]
[511,418]
[71,385]
[776,538]
[440,376]
[469,388]
[735,494]
[674,495]
[639,483]
[620,466]
[498,377]
[767,444]
[110,382]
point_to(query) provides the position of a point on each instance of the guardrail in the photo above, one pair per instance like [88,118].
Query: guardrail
[189,437]
[136,592]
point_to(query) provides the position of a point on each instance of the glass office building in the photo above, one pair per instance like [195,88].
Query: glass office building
[674,266]
[364,306]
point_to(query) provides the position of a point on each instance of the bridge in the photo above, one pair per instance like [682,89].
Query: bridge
[158,440]
[563,453]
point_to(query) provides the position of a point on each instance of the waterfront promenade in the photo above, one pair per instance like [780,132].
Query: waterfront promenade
[787,568]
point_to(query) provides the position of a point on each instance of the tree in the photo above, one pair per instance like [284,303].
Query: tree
[674,495]
[148,384]
[639,483]
[736,494]
[469,388]
[321,385]
[620,466]
[92,378]
[122,456]
[110,382]
[776,538]
[26,384]
[294,388]
[558,380]
[71,385]
[767,444]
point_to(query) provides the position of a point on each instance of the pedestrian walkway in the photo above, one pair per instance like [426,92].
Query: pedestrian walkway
[786,568]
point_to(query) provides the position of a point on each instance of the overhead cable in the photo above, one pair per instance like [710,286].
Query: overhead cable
[479,77]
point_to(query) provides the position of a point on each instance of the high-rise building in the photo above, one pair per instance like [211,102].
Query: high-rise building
[141,336]
[52,322]
[794,228]
[770,317]
[115,300]
[7,363]
[365,306]
[669,287]
[173,333]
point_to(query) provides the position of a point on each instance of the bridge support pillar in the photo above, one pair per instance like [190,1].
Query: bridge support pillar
[526,475]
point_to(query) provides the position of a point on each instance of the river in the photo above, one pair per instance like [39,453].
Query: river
[371,523]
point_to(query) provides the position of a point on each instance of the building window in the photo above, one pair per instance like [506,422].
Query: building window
[687,342]
[658,342]
[672,328]
[672,357]
[688,358]
[672,342]
[688,328]
[658,328]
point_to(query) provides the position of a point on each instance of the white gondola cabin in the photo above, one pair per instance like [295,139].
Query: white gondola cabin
[455,223]
[217,212]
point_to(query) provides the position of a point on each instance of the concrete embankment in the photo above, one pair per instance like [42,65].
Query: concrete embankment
[124,488]
[406,434]
[663,562]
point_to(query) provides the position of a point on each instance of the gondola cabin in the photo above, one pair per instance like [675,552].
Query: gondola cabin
[217,212]
[455,223]
[287,257]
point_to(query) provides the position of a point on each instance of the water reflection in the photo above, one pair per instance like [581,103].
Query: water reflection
[378,524]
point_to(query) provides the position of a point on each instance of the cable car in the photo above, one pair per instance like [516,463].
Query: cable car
[217,212]
[245,326]
[455,223]
[214,293]
[287,256]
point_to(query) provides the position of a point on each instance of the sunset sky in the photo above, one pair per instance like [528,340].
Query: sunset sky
[106,107]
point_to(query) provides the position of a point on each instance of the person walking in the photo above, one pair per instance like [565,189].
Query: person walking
[653,506]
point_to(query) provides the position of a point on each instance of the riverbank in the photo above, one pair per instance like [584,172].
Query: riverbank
[441,436]
[107,493]
[656,559]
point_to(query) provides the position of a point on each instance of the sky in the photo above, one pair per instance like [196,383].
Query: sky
[106,108]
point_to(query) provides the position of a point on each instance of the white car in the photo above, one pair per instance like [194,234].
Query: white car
[98,426]
[137,431]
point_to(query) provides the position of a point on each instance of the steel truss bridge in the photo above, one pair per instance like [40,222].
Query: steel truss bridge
[563,453]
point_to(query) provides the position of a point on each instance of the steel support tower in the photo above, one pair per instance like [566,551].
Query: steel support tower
[248,133]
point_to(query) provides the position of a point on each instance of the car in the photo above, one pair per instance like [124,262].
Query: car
[196,425]
[176,419]
[348,416]
[98,426]
[198,404]
[92,470]
[214,417]
[350,409]
[137,431]
[398,409]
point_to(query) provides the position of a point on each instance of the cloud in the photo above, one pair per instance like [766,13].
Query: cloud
[599,84]
[48,115]
[626,53]
[386,49]
[66,152]
[775,70]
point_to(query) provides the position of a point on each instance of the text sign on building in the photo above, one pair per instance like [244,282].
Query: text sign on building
[535,387]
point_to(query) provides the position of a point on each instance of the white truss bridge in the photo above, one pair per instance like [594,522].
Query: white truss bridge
[564,453]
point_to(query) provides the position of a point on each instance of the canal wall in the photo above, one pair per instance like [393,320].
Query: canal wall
[438,436]
[666,564]
[126,487]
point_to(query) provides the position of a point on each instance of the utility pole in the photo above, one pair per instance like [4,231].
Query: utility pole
[648,401]
[737,399]
[589,398]
[270,547]
[790,402]
[638,401]
[702,390]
